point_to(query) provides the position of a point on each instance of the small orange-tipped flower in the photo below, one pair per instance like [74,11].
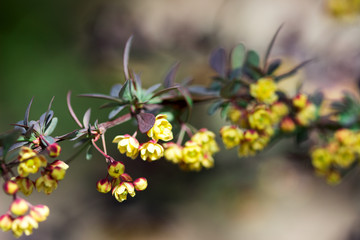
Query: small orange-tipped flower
[306,115]
[127,144]
[151,151]
[19,207]
[5,222]
[103,185]
[140,184]
[39,212]
[46,184]
[287,125]
[10,187]
[115,169]
[300,101]
[120,191]
[24,224]
[25,185]
[54,150]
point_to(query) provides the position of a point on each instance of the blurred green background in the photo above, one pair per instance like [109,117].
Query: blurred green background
[50,47]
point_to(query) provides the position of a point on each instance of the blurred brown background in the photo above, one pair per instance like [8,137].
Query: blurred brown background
[50,47]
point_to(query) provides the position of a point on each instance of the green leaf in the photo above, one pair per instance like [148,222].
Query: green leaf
[225,109]
[252,58]
[101,96]
[230,89]
[7,140]
[215,106]
[125,92]
[51,126]
[238,56]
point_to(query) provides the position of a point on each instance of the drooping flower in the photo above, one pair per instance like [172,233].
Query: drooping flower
[162,129]
[127,144]
[206,139]
[25,185]
[19,207]
[103,185]
[231,136]
[115,169]
[173,152]
[121,191]
[192,152]
[140,184]
[321,159]
[46,184]
[40,212]
[151,151]
[23,224]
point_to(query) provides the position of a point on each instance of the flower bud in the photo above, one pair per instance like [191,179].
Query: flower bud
[10,187]
[115,169]
[19,207]
[103,185]
[126,177]
[57,173]
[5,222]
[300,101]
[40,212]
[140,184]
[287,125]
[59,163]
[54,150]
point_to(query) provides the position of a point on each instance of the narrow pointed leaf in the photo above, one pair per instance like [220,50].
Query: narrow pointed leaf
[152,88]
[27,112]
[293,71]
[114,92]
[86,118]
[51,126]
[215,106]
[170,76]
[271,46]
[72,113]
[273,66]
[126,57]
[101,96]
[115,112]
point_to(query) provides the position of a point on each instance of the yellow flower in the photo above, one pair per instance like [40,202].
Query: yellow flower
[345,136]
[250,135]
[25,185]
[192,152]
[173,152]
[264,90]
[333,178]
[321,159]
[40,212]
[10,187]
[161,129]
[151,151]
[121,191]
[207,161]
[127,144]
[278,111]
[24,224]
[231,136]
[344,156]
[5,222]
[306,115]
[46,184]
[260,143]
[245,150]
[54,150]
[19,207]
[206,139]
[287,125]
[234,115]
[260,118]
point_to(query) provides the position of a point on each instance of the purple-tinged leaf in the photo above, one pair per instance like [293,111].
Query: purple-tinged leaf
[187,96]
[170,76]
[47,118]
[109,104]
[271,46]
[27,112]
[86,118]
[35,125]
[71,111]
[145,121]
[273,66]
[218,61]
[102,96]
[19,126]
[68,135]
[126,57]
[51,127]
[29,131]
[114,92]
[186,81]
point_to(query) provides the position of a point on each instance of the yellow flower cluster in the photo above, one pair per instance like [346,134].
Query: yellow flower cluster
[22,218]
[196,153]
[340,153]
[48,181]
[151,150]
[264,90]
[253,127]
[121,184]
